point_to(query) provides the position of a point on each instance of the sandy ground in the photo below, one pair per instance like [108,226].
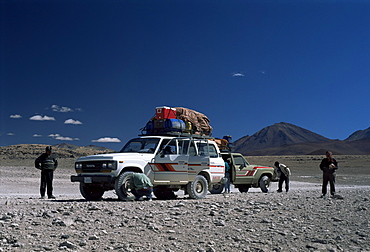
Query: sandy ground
[19,178]
[296,221]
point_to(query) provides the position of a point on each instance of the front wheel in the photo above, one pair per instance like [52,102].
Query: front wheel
[122,185]
[91,192]
[265,184]
[198,188]
[217,189]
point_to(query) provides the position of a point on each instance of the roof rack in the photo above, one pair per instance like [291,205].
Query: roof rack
[178,134]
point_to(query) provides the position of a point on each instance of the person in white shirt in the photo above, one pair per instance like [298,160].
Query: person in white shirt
[284,173]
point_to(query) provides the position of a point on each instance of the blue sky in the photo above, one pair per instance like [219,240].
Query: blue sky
[93,72]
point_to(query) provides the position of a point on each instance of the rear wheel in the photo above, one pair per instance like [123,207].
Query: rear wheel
[198,188]
[265,184]
[243,188]
[91,191]
[122,185]
[217,189]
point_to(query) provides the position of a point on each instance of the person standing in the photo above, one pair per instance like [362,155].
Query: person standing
[328,166]
[283,172]
[227,176]
[47,164]
[140,186]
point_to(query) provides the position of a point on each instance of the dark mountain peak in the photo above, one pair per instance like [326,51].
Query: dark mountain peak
[276,135]
[359,134]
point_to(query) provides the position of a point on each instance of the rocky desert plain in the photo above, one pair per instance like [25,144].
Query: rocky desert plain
[295,221]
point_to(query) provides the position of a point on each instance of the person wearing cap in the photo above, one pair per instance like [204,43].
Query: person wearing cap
[328,166]
[47,164]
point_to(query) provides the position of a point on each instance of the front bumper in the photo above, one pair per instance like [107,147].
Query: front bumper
[92,179]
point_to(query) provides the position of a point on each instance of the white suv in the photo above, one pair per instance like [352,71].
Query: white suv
[172,163]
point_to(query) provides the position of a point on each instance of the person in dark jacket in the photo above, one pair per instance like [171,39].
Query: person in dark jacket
[47,164]
[328,166]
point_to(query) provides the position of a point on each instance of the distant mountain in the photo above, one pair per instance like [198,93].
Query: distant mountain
[31,151]
[338,147]
[288,139]
[66,146]
[360,134]
[276,135]
[88,147]
[98,148]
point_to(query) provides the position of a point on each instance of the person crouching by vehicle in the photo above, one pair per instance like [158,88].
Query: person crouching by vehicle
[283,172]
[140,186]
[328,166]
[47,164]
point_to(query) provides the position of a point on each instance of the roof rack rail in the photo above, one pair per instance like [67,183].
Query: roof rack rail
[178,134]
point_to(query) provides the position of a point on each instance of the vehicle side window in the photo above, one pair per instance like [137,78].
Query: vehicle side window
[183,146]
[239,162]
[170,148]
[212,151]
[202,149]
[192,150]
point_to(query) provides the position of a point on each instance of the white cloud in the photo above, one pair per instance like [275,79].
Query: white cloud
[10,134]
[53,135]
[37,135]
[16,116]
[71,121]
[107,140]
[238,75]
[62,138]
[62,109]
[42,118]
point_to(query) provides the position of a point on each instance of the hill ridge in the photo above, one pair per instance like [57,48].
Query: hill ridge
[288,139]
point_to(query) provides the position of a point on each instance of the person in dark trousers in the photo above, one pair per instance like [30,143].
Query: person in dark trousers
[47,164]
[227,175]
[140,186]
[283,172]
[328,166]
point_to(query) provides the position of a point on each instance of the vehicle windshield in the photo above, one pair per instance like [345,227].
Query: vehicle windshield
[141,145]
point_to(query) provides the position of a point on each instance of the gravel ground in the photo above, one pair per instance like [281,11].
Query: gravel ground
[296,221]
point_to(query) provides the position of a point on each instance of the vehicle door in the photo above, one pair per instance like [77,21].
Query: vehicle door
[170,165]
[199,158]
[243,171]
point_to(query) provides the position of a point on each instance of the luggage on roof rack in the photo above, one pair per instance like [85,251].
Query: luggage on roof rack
[178,119]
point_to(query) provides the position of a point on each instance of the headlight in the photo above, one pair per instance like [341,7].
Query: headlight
[110,165]
[104,165]
[78,166]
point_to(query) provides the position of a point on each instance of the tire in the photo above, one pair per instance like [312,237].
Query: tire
[243,188]
[217,189]
[122,185]
[163,193]
[91,192]
[265,184]
[198,189]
